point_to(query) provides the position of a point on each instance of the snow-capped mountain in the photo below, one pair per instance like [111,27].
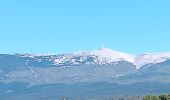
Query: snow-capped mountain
[101,56]
[150,58]
[120,71]
[88,66]
[109,56]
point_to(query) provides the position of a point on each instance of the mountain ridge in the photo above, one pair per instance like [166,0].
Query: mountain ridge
[107,56]
[102,65]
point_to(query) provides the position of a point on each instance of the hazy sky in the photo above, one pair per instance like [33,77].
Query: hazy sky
[59,26]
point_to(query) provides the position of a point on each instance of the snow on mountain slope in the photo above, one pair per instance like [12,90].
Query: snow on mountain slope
[31,55]
[109,56]
[151,58]
[115,55]
[100,56]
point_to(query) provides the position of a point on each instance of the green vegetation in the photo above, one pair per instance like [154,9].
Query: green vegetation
[160,97]
[150,97]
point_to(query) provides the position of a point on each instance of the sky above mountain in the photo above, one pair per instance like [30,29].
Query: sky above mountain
[61,26]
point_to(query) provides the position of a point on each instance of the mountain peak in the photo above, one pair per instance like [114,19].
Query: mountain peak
[109,54]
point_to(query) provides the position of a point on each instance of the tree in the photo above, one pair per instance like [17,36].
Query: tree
[164,97]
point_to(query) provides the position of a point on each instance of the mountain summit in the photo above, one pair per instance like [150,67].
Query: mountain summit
[109,56]
[103,56]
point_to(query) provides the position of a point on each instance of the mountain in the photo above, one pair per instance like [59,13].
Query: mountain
[102,65]
[151,58]
[84,69]
[96,66]
[97,57]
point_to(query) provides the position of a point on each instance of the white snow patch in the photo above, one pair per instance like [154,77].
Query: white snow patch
[151,58]
[114,55]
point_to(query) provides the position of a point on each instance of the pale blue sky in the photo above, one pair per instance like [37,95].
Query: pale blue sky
[59,26]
